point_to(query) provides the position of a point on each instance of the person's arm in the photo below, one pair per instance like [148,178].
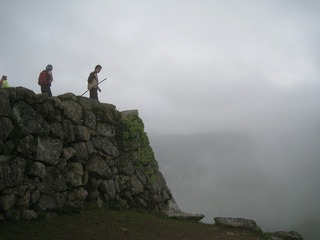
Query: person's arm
[50,76]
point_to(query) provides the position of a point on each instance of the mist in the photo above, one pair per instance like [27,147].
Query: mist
[262,163]
[228,91]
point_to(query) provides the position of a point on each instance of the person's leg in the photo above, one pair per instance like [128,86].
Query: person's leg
[47,90]
[94,93]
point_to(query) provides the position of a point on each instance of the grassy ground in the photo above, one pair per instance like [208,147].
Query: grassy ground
[102,223]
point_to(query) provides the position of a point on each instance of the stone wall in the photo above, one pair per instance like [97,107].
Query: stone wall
[58,152]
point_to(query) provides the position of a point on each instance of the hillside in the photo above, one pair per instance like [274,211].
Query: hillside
[98,224]
[66,152]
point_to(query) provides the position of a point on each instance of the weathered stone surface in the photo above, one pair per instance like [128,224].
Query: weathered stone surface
[67,96]
[160,182]
[5,109]
[136,186]
[48,150]
[7,202]
[273,238]
[23,94]
[53,182]
[68,153]
[26,146]
[90,120]
[105,130]
[105,145]
[49,112]
[28,214]
[19,190]
[73,174]
[37,169]
[57,131]
[125,165]
[69,131]
[78,194]
[292,235]
[6,128]
[11,171]
[46,202]
[81,152]
[173,211]
[108,186]
[104,112]
[28,120]
[83,133]
[76,150]
[98,168]
[23,201]
[238,223]
[60,199]
[35,196]
[72,110]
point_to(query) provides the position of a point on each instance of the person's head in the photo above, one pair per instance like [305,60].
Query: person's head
[4,77]
[49,67]
[98,68]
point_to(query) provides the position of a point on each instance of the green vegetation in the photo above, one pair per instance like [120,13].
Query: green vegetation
[131,129]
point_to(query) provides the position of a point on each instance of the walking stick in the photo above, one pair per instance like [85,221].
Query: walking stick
[96,85]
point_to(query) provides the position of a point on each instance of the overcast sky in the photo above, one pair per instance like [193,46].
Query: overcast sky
[188,66]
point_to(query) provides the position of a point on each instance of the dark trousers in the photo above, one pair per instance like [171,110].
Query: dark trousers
[94,93]
[47,90]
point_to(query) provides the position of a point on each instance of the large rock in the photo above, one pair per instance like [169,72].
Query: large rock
[108,186]
[238,223]
[89,119]
[37,169]
[11,171]
[7,202]
[136,186]
[78,194]
[73,174]
[28,120]
[48,150]
[5,109]
[53,182]
[173,211]
[69,131]
[72,110]
[46,202]
[26,146]
[105,130]
[81,152]
[105,145]
[292,235]
[6,128]
[98,168]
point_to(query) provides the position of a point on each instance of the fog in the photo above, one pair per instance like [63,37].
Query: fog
[262,164]
[228,90]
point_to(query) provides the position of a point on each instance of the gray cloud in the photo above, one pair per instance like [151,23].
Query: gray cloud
[190,67]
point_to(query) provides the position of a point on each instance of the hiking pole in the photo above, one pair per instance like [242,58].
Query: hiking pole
[96,85]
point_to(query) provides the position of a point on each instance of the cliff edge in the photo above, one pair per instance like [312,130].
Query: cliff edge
[65,151]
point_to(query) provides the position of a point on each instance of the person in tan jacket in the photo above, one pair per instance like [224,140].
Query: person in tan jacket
[93,82]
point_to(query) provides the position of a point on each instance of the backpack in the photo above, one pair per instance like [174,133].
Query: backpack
[42,81]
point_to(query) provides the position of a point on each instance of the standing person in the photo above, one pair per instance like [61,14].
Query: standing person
[93,83]
[45,79]
[4,82]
